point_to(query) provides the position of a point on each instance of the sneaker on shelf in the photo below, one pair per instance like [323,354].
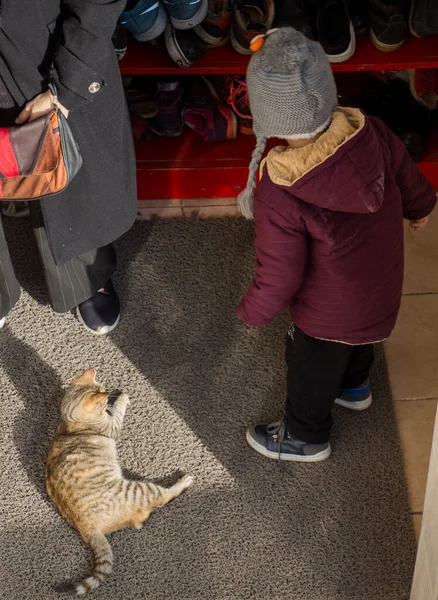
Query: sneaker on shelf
[233,90]
[186,14]
[144,19]
[423,84]
[100,314]
[139,128]
[141,104]
[250,18]
[184,47]
[216,27]
[423,18]
[358,398]
[168,121]
[206,114]
[274,441]
[18,210]
[359,16]
[388,23]
[335,30]
[297,14]
[120,41]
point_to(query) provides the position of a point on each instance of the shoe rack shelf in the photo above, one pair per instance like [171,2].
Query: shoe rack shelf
[148,59]
[188,168]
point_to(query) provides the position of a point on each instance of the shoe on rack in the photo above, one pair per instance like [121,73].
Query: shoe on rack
[139,128]
[250,18]
[216,27]
[298,14]
[388,23]
[392,102]
[120,41]
[144,19]
[335,30]
[141,104]
[186,14]
[168,121]
[233,90]
[423,18]
[100,314]
[206,114]
[423,84]
[358,398]
[359,16]
[184,47]
[274,441]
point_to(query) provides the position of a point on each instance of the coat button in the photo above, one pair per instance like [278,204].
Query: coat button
[93,88]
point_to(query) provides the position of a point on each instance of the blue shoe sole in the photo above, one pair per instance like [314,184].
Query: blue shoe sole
[196,19]
[286,457]
[356,405]
[154,31]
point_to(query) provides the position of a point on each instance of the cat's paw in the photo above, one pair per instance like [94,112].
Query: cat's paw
[123,399]
[186,481]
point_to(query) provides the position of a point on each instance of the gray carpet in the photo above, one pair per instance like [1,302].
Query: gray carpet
[338,530]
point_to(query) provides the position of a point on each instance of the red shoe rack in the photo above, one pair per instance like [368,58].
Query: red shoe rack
[188,168]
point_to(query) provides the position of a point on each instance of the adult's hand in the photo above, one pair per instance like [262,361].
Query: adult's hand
[41,105]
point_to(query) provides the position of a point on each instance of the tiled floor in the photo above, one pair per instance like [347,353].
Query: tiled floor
[411,352]
[412,356]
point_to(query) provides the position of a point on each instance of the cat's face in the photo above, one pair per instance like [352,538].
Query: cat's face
[85,401]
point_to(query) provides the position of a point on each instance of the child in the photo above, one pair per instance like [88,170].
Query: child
[329,238]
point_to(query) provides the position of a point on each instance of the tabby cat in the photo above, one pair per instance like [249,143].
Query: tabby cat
[84,478]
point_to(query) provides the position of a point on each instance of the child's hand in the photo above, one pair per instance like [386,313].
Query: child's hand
[418,224]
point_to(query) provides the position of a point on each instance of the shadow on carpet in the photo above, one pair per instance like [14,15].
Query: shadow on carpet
[197,377]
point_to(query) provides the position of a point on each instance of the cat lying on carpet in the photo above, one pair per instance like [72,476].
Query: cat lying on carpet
[85,481]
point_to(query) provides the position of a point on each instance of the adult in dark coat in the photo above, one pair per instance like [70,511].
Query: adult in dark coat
[71,40]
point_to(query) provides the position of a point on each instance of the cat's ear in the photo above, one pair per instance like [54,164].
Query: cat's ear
[88,376]
[93,401]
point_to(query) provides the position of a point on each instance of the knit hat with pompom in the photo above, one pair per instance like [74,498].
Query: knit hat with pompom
[291,92]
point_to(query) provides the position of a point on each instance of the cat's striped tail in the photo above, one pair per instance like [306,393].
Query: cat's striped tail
[103,565]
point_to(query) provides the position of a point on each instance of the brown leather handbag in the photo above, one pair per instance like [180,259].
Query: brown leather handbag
[37,159]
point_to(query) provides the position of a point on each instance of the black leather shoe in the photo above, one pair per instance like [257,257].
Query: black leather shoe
[297,14]
[335,30]
[100,314]
[423,19]
[389,23]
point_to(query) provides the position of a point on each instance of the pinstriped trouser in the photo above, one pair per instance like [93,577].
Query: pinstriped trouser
[69,284]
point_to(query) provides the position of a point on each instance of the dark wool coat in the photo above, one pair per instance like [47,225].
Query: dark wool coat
[330,246]
[100,203]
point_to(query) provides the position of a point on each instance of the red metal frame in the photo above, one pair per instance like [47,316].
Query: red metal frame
[187,167]
[148,59]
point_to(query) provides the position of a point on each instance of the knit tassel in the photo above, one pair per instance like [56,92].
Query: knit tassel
[246,196]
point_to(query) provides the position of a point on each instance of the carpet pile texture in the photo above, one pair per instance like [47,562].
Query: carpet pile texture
[197,377]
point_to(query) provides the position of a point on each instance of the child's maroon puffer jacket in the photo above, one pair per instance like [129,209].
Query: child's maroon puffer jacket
[330,246]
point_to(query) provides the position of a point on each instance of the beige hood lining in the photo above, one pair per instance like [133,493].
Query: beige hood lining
[287,165]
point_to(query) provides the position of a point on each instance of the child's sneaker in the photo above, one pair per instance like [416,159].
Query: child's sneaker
[359,398]
[233,90]
[184,47]
[274,441]
[207,114]
[186,14]
[250,18]
[145,19]
[423,84]
[215,28]
[120,41]
[168,121]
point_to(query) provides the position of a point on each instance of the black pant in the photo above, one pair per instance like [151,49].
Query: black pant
[69,284]
[318,371]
